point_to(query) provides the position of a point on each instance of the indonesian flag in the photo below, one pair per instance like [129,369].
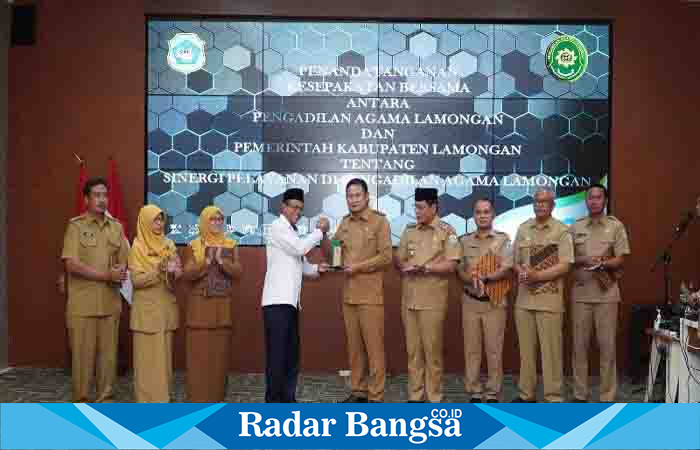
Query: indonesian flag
[116,200]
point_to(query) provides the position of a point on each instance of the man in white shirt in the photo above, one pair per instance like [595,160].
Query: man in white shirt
[286,264]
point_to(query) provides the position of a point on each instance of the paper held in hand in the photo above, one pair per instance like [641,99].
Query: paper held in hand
[126,289]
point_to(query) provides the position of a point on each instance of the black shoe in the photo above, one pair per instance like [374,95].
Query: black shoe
[491,400]
[352,398]
[376,401]
[475,400]
[578,400]
[416,401]
[522,400]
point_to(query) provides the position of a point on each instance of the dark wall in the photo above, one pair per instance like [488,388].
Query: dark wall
[4,42]
[81,89]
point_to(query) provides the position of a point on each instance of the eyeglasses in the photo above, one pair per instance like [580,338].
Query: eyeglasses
[295,207]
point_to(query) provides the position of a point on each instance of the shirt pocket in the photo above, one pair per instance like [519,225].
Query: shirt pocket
[411,248]
[524,249]
[113,245]
[88,240]
[471,253]
[437,243]
[607,247]
[467,258]
[371,244]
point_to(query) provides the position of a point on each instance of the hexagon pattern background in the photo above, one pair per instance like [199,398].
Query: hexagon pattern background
[200,132]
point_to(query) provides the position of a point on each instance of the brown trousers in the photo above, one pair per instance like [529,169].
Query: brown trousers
[602,317]
[364,328]
[93,343]
[424,335]
[547,328]
[208,360]
[483,330]
[153,366]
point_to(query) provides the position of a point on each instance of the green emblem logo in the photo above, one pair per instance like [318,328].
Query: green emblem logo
[567,58]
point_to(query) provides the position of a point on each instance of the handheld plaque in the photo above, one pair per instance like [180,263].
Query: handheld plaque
[543,257]
[497,291]
[606,278]
[336,254]
[218,282]
[167,267]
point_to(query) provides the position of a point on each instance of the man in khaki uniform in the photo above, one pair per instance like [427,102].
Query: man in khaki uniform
[95,252]
[483,321]
[600,246]
[428,254]
[543,254]
[366,245]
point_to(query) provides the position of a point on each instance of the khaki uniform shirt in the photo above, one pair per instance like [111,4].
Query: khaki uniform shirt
[604,237]
[473,248]
[366,243]
[421,244]
[547,296]
[99,245]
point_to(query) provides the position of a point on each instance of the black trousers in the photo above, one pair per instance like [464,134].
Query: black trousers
[642,316]
[281,353]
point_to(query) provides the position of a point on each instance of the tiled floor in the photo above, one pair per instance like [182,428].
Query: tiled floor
[54,385]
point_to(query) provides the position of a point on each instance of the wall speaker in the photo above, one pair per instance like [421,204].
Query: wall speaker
[23,28]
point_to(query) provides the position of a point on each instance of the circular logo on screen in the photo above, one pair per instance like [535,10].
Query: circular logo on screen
[186,53]
[567,58]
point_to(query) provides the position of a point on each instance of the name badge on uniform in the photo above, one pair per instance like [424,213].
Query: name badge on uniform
[88,238]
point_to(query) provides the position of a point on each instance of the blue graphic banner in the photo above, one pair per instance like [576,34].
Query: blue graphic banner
[250,426]
[239,111]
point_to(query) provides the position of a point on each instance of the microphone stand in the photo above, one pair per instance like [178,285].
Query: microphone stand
[665,256]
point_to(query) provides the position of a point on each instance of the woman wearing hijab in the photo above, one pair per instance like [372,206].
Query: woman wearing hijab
[208,318]
[154,266]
